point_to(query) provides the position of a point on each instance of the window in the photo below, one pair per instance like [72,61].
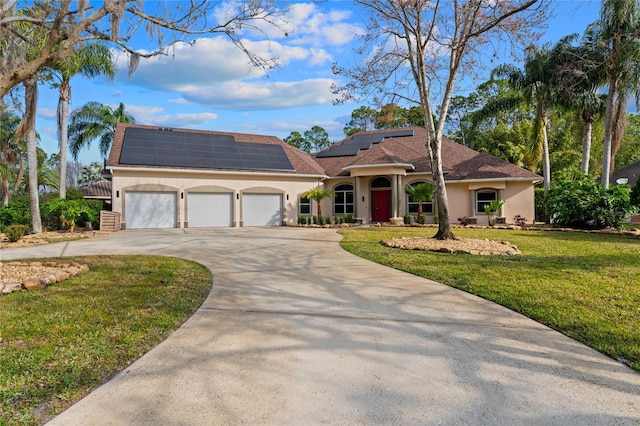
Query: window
[304,205]
[412,205]
[381,182]
[483,198]
[343,199]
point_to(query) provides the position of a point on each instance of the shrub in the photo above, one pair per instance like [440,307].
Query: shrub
[540,205]
[16,213]
[635,195]
[578,201]
[464,220]
[60,214]
[519,220]
[422,219]
[407,219]
[348,218]
[16,232]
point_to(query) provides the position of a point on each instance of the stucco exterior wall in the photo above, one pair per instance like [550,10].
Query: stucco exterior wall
[182,184]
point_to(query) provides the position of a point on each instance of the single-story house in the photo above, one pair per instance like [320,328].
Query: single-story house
[175,178]
[98,191]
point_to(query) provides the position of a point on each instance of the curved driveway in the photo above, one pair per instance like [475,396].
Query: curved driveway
[297,331]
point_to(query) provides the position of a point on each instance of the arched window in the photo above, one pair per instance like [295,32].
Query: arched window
[412,205]
[484,197]
[381,183]
[343,199]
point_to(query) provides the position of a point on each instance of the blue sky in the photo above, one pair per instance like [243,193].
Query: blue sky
[211,86]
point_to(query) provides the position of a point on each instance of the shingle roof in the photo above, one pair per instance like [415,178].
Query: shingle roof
[409,149]
[100,190]
[630,172]
[301,161]
[458,161]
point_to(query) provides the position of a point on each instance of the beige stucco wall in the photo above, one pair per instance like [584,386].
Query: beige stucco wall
[518,196]
[181,183]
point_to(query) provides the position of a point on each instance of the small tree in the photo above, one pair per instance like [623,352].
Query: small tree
[420,193]
[316,194]
[491,210]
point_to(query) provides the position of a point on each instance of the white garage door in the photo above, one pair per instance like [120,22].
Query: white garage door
[262,210]
[209,209]
[150,210]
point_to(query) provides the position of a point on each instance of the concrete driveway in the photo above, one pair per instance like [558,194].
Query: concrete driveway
[296,331]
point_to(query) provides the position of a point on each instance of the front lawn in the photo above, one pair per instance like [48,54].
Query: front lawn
[56,345]
[586,286]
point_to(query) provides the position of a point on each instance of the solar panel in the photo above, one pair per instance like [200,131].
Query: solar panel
[175,148]
[358,142]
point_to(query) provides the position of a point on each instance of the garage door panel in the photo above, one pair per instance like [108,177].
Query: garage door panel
[150,210]
[262,210]
[209,210]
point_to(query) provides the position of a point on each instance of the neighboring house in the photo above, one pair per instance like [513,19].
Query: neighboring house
[174,178]
[627,175]
[98,191]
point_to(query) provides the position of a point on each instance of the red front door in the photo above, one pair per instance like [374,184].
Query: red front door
[381,206]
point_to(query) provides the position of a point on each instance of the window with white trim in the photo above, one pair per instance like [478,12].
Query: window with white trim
[304,205]
[484,198]
[412,205]
[343,199]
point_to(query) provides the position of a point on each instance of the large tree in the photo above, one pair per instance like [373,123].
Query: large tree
[619,32]
[95,121]
[67,25]
[416,50]
[536,84]
[90,61]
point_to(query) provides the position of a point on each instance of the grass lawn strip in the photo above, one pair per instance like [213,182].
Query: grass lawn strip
[586,286]
[58,344]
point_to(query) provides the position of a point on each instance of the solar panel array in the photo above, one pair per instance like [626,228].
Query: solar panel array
[359,142]
[174,148]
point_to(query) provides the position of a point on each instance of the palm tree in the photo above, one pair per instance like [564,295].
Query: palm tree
[317,195]
[91,174]
[8,152]
[95,121]
[420,193]
[618,30]
[90,61]
[580,70]
[535,83]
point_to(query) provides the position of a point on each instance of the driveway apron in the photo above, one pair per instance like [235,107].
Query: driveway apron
[297,331]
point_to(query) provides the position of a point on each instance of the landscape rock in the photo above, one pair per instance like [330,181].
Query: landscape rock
[34,283]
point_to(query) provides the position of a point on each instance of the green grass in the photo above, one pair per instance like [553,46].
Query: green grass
[60,343]
[586,286]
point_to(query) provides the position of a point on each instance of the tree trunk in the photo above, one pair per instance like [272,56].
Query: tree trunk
[63,118]
[608,133]
[31,101]
[586,143]
[442,202]
[546,163]
[620,119]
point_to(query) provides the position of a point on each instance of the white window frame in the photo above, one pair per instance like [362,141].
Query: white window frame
[427,206]
[341,192]
[304,204]
[485,201]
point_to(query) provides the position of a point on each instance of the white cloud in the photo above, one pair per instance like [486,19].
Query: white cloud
[240,95]
[178,101]
[183,120]
[48,113]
